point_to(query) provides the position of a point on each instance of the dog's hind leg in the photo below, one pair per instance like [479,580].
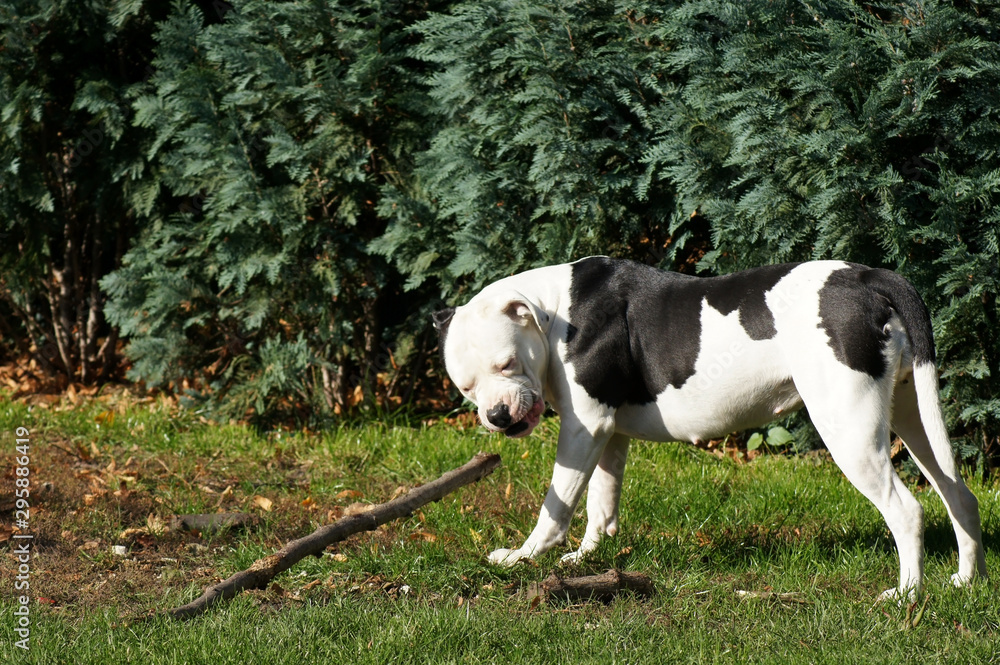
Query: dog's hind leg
[936,461]
[851,412]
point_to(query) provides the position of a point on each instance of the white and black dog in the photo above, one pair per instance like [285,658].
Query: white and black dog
[621,350]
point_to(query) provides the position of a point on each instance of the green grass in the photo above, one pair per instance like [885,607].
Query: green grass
[700,526]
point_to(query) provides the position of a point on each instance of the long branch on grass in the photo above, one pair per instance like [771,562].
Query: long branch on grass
[264,570]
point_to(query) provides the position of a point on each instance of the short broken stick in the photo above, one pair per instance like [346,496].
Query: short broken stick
[601,587]
[264,570]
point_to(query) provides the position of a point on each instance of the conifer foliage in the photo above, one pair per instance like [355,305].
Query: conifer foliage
[860,132]
[274,131]
[307,180]
[790,130]
[544,116]
[67,156]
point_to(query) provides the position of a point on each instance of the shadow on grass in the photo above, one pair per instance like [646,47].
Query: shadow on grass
[743,545]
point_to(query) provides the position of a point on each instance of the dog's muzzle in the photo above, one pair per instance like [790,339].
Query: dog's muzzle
[500,418]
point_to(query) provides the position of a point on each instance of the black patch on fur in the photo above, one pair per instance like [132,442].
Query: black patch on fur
[911,309]
[634,330]
[745,291]
[854,306]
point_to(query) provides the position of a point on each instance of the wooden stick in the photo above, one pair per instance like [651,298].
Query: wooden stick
[602,587]
[264,570]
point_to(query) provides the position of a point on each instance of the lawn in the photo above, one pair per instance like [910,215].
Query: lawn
[774,560]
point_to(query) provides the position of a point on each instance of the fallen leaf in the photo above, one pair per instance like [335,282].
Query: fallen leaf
[155,524]
[84,454]
[349,494]
[131,533]
[105,418]
[263,503]
[356,508]
[423,535]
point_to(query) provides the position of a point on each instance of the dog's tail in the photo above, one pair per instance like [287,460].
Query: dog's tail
[917,320]
[925,380]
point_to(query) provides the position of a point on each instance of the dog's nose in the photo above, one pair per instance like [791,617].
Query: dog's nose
[499,416]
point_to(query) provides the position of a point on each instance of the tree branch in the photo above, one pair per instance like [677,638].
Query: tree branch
[259,575]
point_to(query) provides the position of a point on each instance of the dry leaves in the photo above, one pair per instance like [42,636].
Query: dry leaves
[263,503]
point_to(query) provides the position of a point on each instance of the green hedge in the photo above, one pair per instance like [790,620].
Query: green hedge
[316,177]
[274,132]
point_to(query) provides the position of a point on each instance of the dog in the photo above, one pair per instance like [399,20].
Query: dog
[623,351]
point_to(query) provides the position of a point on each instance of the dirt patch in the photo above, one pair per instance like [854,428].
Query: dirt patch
[100,521]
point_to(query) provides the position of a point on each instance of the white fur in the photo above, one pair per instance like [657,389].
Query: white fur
[738,383]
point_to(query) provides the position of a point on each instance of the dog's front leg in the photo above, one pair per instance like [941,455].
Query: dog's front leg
[603,497]
[580,447]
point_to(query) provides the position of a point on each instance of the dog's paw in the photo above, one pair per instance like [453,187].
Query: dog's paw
[897,596]
[962,581]
[573,558]
[506,558]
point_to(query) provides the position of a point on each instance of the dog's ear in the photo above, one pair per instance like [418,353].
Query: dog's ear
[442,318]
[519,308]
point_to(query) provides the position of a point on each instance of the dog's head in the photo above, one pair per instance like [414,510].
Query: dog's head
[496,350]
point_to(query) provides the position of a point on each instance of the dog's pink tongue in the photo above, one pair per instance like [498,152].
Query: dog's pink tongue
[536,410]
[534,414]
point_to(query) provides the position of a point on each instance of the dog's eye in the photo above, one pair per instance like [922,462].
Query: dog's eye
[509,367]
